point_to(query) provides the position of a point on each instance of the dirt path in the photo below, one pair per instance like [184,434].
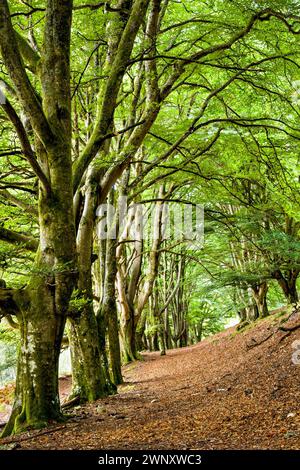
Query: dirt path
[220,394]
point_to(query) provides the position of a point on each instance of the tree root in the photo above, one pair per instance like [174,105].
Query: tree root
[286,329]
[72,402]
[289,329]
[251,346]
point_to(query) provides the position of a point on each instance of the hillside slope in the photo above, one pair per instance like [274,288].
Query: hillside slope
[228,392]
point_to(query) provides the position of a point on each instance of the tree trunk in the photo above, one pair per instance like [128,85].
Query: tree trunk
[89,380]
[288,284]
[199,330]
[168,335]
[37,397]
[43,310]
[102,331]
[140,332]
[128,340]
[114,343]
[260,297]
[109,305]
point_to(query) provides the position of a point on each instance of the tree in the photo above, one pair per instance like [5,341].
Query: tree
[129,96]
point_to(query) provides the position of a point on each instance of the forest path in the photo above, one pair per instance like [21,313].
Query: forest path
[222,393]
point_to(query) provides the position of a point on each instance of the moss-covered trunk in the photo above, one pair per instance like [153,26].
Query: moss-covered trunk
[128,340]
[109,309]
[42,311]
[37,397]
[89,380]
[42,308]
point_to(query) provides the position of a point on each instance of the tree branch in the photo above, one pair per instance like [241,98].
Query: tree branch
[109,97]
[29,55]
[16,238]
[18,202]
[24,90]
[25,144]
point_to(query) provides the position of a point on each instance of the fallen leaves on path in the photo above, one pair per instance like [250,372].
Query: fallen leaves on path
[218,394]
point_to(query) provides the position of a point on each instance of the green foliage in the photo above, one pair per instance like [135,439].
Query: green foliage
[78,301]
[226,136]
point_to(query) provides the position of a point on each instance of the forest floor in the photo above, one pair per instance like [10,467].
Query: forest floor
[235,390]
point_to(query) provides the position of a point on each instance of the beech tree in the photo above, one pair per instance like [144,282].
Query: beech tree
[43,305]
[157,101]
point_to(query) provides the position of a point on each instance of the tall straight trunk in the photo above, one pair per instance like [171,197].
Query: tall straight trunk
[168,335]
[109,307]
[140,332]
[128,339]
[89,378]
[102,341]
[158,321]
[179,309]
[199,330]
[127,285]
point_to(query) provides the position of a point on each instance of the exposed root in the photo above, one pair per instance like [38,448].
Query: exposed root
[72,402]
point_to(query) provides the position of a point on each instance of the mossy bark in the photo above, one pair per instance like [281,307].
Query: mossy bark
[37,397]
[88,365]
[128,340]
[88,379]
[102,330]
[109,311]
[43,305]
[42,310]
